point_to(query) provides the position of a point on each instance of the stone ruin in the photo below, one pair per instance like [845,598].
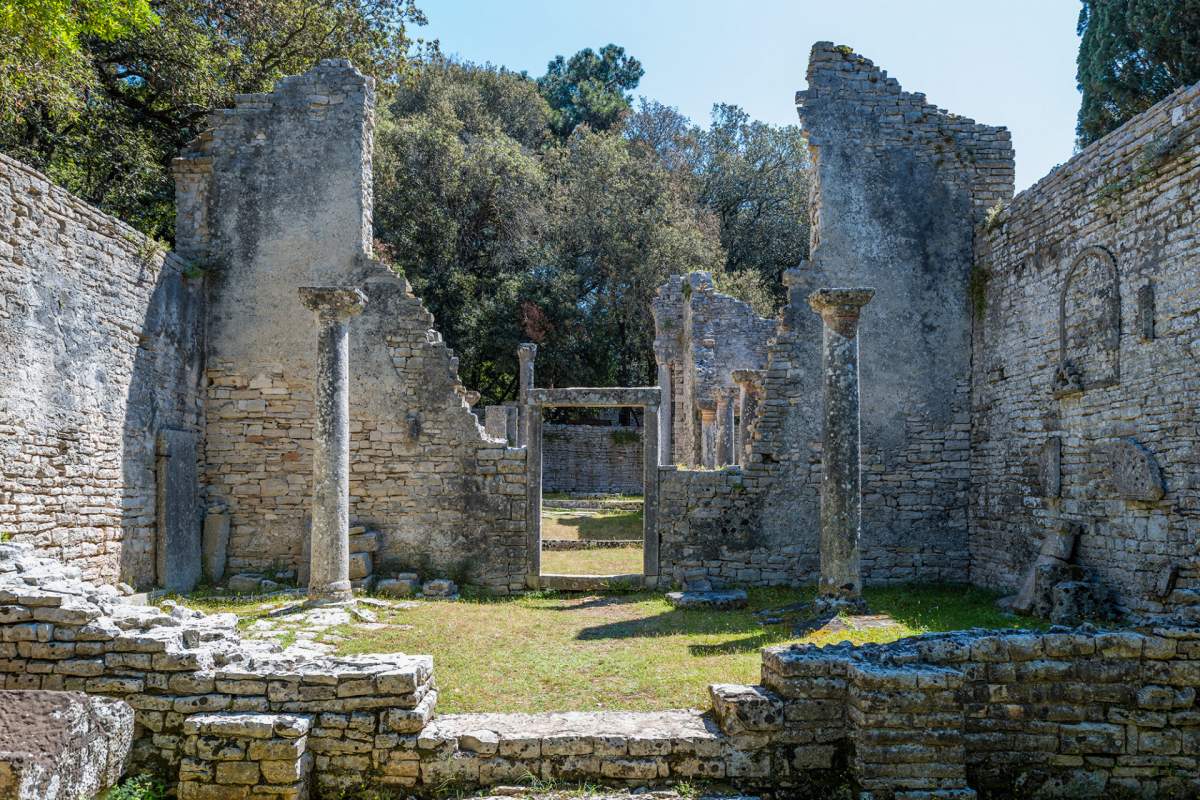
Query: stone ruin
[1027,380]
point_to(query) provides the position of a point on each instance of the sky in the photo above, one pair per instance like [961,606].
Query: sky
[1010,63]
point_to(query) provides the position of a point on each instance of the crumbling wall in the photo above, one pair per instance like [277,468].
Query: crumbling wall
[100,348]
[277,195]
[703,335]
[592,458]
[899,185]
[1084,390]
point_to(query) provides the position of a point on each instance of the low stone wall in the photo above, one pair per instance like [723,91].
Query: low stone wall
[598,459]
[57,632]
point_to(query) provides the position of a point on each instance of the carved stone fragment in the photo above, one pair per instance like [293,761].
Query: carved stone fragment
[1135,473]
[1050,467]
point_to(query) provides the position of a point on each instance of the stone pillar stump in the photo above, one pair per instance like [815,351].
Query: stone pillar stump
[526,354]
[841,484]
[329,549]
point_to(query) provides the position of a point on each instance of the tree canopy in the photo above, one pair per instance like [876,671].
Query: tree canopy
[1133,53]
[590,88]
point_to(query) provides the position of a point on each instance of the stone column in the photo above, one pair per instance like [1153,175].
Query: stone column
[665,453]
[841,484]
[750,382]
[651,457]
[708,437]
[329,547]
[526,353]
[724,426]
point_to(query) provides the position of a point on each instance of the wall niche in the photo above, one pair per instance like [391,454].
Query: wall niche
[1089,324]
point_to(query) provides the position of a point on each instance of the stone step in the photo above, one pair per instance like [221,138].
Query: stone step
[744,709]
[588,583]
[589,544]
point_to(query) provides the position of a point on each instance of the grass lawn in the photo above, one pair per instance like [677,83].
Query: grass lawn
[590,524]
[608,561]
[632,651]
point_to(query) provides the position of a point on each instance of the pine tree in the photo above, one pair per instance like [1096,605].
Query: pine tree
[1133,53]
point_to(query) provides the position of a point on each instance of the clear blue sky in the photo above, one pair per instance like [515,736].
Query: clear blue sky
[1009,63]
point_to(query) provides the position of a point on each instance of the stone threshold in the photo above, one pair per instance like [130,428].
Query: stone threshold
[588,583]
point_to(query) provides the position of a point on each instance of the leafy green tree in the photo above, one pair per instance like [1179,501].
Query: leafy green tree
[460,206]
[42,54]
[148,89]
[753,177]
[619,227]
[590,88]
[1133,53]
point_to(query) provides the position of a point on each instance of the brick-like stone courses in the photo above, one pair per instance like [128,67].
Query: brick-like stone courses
[899,184]
[1099,712]
[592,458]
[277,195]
[100,350]
[1133,194]
[58,632]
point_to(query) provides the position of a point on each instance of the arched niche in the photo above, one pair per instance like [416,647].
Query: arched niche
[1089,324]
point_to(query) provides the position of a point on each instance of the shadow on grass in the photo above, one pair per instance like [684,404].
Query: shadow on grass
[600,525]
[943,607]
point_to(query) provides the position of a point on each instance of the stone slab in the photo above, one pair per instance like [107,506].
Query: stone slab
[717,600]
[178,551]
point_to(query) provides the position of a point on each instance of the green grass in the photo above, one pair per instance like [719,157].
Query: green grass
[590,524]
[546,652]
[606,561]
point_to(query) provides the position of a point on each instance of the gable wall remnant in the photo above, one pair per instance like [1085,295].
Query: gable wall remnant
[899,185]
[277,195]
[1087,334]
[101,345]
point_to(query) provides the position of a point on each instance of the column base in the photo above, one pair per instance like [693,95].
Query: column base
[330,595]
[834,604]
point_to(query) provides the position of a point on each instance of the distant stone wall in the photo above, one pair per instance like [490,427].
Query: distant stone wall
[277,195]
[1086,353]
[702,335]
[100,351]
[592,458]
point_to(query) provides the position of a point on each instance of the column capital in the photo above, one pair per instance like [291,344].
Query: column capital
[840,308]
[333,301]
[526,351]
[750,379]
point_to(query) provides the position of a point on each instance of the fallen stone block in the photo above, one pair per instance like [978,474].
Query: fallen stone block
[61,745]
[723,600]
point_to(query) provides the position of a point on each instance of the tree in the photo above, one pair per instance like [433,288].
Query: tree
[753,177]
[149,89]
[1133,53]
[42,59]
[460,205]
[590,88]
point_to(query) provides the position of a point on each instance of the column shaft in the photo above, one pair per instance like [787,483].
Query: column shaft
[526,354]
[841,484]
[329,546]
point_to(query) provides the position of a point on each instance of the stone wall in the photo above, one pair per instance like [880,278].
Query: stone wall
[899,185]
[1091,712]
[592,458]
[100,351]
[277,195]
[1085,385]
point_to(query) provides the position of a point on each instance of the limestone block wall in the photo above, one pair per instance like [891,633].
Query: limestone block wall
[101,345]
[277,195]
[1085,388]
[592,458]
[899,185]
